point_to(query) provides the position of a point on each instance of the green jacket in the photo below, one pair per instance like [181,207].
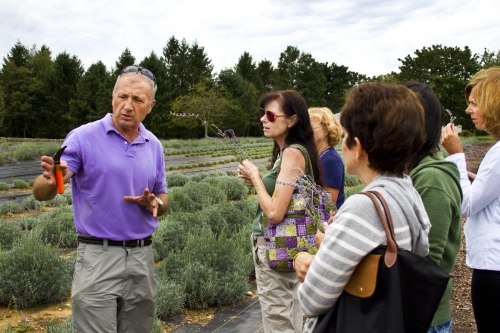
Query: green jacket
[438,183]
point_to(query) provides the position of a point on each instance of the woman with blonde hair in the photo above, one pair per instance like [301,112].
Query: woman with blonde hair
[481,199]
[327,133]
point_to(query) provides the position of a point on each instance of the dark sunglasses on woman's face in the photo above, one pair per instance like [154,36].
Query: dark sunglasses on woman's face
[144,71]
[270,115]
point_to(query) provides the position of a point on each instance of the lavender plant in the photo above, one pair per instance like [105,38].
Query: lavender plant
[452,117]
[318,202]
[318,205]
[471,151]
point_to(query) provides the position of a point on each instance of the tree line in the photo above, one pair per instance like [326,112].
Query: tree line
[42,96]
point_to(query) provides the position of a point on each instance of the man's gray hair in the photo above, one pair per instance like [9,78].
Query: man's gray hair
[154,86]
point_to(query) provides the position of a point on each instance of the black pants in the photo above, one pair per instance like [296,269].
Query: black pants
[485,293]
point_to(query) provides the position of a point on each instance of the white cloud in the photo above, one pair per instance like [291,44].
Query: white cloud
[367,36]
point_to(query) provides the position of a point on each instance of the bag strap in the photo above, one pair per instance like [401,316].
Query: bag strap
[391,253]
[309,169]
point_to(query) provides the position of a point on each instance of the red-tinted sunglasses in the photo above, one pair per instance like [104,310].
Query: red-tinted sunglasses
[270,115]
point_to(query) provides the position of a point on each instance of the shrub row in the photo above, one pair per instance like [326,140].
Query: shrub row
[32,273]
[11,152]
[29,203]
[171,167]
[193,196]
[55,227]
[177,147]
[211,270]
[224,217]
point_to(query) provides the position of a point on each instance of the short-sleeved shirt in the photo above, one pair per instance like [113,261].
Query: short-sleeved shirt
[106,168]
[333,172]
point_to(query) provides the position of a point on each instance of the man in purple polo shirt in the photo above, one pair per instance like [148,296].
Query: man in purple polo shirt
[119,187]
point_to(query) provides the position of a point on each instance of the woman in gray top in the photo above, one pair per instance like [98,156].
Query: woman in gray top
[384,128]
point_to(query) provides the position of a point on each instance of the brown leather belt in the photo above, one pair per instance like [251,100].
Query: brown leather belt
[129,243]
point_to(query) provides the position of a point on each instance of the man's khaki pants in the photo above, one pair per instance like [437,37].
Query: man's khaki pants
[278,294]
[114,289]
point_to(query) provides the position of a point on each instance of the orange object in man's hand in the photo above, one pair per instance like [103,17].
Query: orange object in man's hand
[58,171]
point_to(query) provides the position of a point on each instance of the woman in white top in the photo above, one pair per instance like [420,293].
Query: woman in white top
[481,199]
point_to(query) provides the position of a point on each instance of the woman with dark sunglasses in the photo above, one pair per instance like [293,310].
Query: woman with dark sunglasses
[285,118]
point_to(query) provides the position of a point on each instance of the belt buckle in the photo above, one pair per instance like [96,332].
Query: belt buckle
[137,243]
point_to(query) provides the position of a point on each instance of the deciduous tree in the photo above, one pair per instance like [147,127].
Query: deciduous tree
[490,59]
[447,70]
[203,106]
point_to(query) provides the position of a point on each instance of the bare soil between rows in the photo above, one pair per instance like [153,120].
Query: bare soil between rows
[34,319]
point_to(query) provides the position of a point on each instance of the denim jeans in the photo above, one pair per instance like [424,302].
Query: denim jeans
[443,328]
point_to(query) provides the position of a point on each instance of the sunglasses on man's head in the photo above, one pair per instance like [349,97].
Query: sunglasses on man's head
[270,115]
[144,71]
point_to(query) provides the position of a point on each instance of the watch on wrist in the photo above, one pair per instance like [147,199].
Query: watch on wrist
[160,202]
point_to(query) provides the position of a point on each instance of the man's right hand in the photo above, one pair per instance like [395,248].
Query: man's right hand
[48,167]
[44,187]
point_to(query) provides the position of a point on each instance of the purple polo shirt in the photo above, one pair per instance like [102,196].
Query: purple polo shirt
[107,168]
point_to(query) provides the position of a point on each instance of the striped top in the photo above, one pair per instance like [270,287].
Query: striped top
[354,233]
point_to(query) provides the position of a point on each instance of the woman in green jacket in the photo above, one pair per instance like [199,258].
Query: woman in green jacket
[438,183]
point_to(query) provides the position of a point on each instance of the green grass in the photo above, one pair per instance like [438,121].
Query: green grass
[484,138]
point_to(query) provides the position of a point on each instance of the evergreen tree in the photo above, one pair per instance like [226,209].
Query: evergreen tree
[186,66]
[61,83]
[286,73]
[246,67]
[301,72]
[21,79]
[200,65]
[155,120]
[93,96]
[338,81]
[310,80]
[18,109]
[18,55]
[245,119]
[265,77]
[125,59]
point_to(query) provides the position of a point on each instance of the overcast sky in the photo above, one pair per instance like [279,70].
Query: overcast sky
[368,36]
